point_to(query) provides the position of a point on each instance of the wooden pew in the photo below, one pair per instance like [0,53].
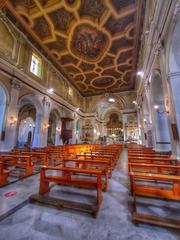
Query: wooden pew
[56,156]
[4,173]
[107,158]
[155,186]
[52,154]
[67,179]
[148,155]
[38,158]
[19,162]
[106,155]
[91,164]
[153,160]
[154,168]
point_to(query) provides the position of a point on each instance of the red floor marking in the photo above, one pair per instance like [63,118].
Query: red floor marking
[10,194]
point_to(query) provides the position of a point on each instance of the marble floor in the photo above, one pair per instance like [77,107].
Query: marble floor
[39,222]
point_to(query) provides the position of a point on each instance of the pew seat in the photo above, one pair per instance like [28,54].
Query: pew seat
[154,168]
[69,177]
[91,164]
[18,161]
[166,187]
[4,173]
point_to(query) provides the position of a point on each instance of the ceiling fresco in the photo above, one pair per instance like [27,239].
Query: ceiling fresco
[94,43]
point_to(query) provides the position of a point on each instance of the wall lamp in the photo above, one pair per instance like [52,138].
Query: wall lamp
[160,111]
[58,129]
[13,120]
[50,90]
[46,125]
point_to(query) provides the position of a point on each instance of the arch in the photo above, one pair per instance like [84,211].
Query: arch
[108,111]
[26,125]
[4,99]
[33,100]
[173,69]
[174,47]
[156,89]
[6,92]
[114,128]
[54,128]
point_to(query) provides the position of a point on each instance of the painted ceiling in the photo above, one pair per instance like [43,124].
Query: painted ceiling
[94,43]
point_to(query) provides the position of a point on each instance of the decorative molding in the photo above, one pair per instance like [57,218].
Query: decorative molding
[16,84]
[174,75]
[163,143]
[159,48]
[177,9]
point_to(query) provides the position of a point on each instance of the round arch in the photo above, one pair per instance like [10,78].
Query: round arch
[33,100]
[4,100]
[173,69]
[54,129]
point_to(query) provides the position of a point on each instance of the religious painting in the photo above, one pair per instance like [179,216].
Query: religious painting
[87,132]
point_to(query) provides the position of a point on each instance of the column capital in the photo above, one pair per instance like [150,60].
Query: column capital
[16,84]
[159,48]
[177,9]
[46,102]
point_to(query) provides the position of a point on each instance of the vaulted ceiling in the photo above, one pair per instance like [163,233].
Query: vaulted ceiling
[94,43]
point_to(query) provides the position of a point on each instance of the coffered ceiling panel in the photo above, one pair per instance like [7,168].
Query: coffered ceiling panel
[94,43]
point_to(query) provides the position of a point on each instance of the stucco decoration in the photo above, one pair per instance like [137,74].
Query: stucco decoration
[94,43]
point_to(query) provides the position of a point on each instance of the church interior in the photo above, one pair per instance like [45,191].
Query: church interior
[90,119]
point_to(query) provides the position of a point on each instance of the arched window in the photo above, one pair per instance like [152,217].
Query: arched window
[3,100]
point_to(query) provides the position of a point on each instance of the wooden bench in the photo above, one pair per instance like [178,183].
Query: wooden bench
[91,164]
[155,186]
[19,162]
[107,158]
[153,160]
[148,155]
[38,158]
[3,175]
[102,155]
[154,168]
[68,178]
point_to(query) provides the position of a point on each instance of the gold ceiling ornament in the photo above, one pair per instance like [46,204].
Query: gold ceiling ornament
[94,43]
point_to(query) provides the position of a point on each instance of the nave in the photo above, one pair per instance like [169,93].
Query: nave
[82,84]
[32,221]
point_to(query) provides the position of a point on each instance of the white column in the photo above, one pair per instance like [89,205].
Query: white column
[80,133]
[41,125]
[175,86]
[124,120]
[162,136]
[38,131]
[58,133]
[74,132]
[141,127]
[148,131]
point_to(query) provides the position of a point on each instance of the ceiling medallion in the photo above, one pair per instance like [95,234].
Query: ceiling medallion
[88,42]
[103,82]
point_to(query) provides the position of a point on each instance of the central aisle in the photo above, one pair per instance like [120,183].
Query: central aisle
[39,222]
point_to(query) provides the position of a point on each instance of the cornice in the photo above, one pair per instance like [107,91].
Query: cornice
[154,43]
